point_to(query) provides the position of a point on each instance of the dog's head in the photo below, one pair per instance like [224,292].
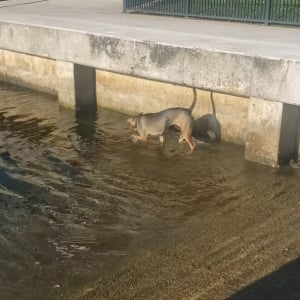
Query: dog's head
[133,121]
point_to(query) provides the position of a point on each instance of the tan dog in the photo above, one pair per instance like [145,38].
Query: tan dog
[156,124]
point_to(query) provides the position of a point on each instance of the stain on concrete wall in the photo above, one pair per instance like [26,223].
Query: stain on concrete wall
[28,71]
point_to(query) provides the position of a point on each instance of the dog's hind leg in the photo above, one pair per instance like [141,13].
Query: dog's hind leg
[186,132]
[190,141]
[162,139]
[134,138]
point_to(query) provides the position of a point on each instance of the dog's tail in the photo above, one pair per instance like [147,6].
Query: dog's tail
[190,109]
[213,103]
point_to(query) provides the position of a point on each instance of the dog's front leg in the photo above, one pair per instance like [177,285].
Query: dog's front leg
[136,138]
[162,139]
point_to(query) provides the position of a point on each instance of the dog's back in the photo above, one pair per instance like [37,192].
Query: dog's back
[158,123]
[153,124]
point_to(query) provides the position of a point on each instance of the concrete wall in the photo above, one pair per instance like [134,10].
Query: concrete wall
[30,71]
[263,132]
[47,75]
[65,84]
[134,95]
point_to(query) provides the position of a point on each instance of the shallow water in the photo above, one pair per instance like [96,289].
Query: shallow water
[76,195]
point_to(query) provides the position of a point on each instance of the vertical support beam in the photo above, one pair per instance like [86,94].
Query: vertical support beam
[85,88]
[299,139]
[76,86]
[65,84]
[124,6]
[187,8]
[289,136]
[263,136]
[86,102]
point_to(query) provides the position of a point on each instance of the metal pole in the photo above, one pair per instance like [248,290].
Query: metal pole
[267,11]
[187,7]
[124,6]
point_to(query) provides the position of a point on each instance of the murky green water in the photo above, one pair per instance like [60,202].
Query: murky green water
[77,196]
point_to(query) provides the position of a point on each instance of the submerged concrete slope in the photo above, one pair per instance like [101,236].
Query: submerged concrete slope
[239,60]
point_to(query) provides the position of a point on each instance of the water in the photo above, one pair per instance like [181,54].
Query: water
[79,199]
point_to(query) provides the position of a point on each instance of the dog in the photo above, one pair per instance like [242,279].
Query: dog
[157,124]
[206,124]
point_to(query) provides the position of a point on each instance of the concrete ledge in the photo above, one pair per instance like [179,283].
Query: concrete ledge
[228,73]
[65,84]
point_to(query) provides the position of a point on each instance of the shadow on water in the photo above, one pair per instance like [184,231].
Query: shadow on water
[26,126]
[86,125]
[284,283]
[20,187]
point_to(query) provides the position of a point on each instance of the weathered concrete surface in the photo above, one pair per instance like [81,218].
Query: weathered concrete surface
[30,71]
[134,95]
[105,17]
[232,113]
[183,66]
[229,73]
[264,124]
[47,75]
[236,59]
[65,84]
[276,79]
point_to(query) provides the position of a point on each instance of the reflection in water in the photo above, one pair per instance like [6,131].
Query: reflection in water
[77,196]
[86,125]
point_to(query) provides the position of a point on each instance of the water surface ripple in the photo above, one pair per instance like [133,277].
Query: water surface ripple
[76,194]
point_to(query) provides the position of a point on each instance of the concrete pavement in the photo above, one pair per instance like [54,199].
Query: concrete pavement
[106,18]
